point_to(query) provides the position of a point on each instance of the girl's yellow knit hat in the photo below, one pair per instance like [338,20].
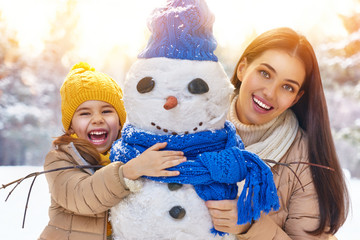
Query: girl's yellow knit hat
[83,83]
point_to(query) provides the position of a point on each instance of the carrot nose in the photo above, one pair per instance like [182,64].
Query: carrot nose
[171,102]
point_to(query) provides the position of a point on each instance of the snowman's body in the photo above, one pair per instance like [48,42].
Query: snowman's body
[202,92]
[145,215]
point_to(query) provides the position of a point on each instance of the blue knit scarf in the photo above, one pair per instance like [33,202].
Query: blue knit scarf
[216,161]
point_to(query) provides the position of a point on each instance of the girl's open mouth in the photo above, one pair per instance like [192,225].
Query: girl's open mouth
[98,137]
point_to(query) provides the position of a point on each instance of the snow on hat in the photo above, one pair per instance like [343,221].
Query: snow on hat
[181,30]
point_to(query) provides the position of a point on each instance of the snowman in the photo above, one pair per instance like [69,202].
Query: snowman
[177,92]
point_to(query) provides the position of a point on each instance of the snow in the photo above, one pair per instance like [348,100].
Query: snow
[12,211]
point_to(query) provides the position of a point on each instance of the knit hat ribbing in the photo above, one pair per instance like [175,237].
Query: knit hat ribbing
[82,84]
[181,30]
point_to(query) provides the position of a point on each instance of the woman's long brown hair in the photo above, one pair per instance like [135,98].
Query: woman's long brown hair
[311,112]
[84,147]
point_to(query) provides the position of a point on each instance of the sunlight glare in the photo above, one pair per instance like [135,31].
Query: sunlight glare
[237,20]
[30,19]
[118,24]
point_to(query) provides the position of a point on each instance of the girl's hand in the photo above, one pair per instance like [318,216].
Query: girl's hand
[153,163]
[224,216]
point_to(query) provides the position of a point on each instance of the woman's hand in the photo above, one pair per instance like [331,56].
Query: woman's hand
[153,163]
[224,216]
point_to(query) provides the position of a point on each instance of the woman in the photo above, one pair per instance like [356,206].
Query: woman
[280,112]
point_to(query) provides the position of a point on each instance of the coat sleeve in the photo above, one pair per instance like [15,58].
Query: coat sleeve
[78,191]
[264,228]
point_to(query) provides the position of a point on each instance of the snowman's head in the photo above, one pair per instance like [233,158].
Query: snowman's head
[172,96]
[177,85]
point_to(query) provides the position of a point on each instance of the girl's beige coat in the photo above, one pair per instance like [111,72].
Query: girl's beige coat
[80,199]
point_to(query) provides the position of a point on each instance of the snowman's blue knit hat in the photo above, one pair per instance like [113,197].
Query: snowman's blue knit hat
[181,30]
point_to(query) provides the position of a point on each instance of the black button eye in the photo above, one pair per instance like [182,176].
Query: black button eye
[145,85]
[198,86]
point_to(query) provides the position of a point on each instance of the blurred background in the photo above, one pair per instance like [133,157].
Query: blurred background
[40,40]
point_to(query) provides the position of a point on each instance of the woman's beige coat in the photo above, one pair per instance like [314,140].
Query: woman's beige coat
[299,209]
[80,199]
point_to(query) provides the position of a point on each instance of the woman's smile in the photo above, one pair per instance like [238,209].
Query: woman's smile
[260,105]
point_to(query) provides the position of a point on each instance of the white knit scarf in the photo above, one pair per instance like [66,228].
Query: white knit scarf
[270,140]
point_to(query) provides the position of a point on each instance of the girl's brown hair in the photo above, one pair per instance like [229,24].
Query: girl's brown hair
[84,147]
[311,112]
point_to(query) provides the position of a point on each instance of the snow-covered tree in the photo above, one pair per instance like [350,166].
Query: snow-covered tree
[29,91]
[340,68]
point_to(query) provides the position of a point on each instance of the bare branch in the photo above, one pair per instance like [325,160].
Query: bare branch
[35,175]
[27,200]
[267,161]
[285,165]
[315,165]
[288,165]
[48,171]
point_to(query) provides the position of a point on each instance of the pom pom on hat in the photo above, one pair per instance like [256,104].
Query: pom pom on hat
[82,84]
[181,30]
[84,66]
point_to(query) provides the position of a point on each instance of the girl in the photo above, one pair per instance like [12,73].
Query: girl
[93,115]
[279,110]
